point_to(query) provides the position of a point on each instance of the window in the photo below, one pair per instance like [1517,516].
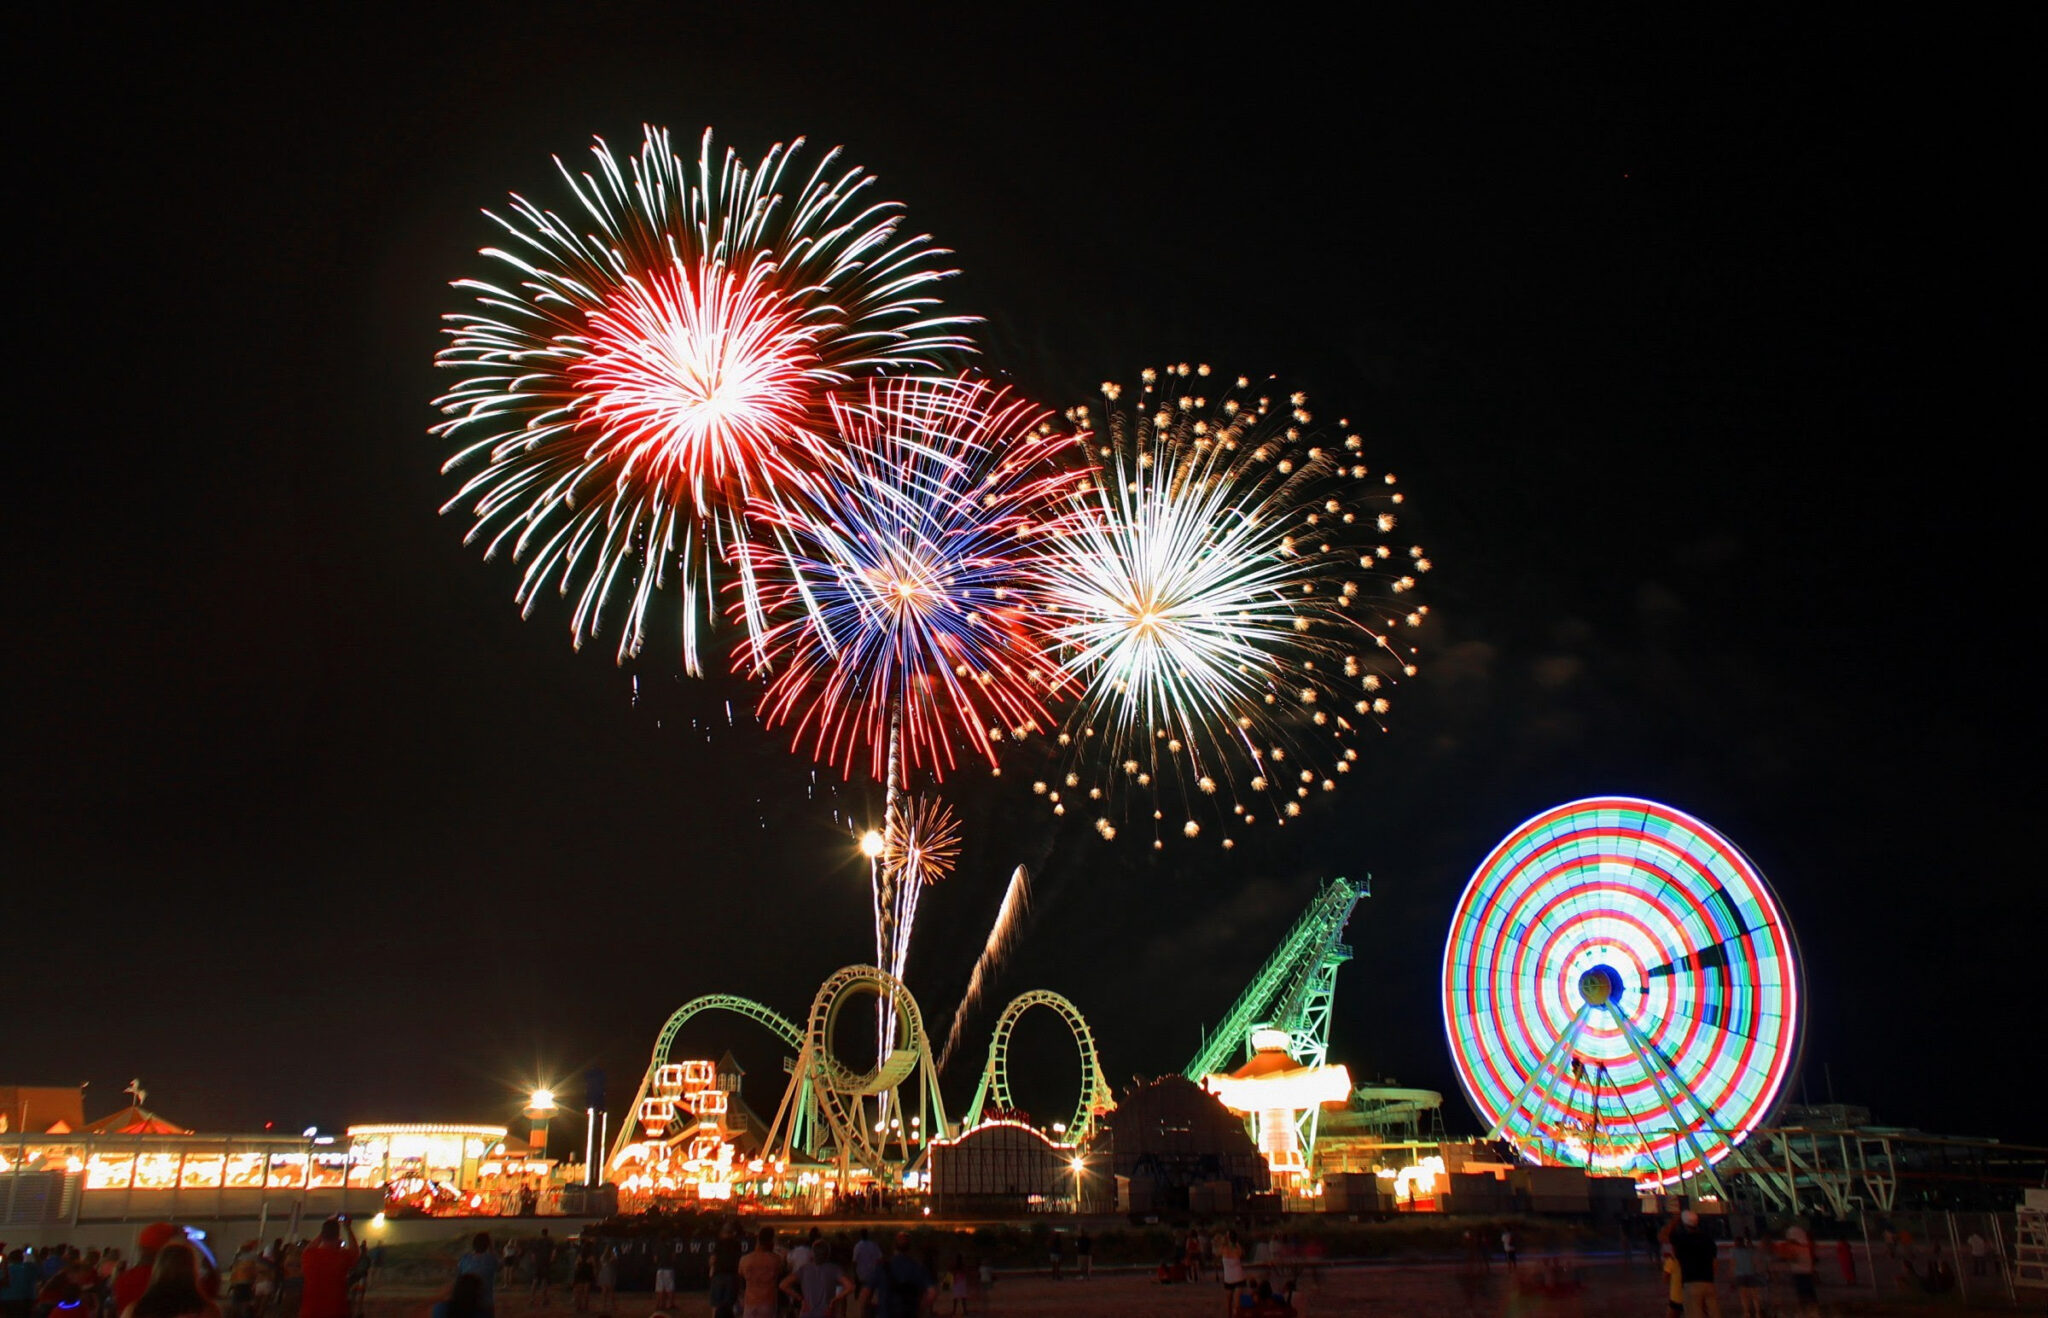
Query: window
[109,1171]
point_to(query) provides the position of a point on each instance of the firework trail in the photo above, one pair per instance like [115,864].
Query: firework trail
[1227,599]
[656,362]
[1009,926]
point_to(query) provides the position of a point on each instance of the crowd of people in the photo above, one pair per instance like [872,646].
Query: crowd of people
[756,1274]
[1692,1268]
[1259,1277]
[765,1274]
[175,1274]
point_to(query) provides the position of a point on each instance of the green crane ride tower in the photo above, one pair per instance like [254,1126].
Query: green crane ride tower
[1293,991]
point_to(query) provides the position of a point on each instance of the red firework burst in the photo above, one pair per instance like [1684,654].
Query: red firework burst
[703,378]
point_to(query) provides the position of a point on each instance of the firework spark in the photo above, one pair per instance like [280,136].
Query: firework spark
[923,844]
[652,367]
[903,619]
[926,844]
[1002,938]
[1228,606]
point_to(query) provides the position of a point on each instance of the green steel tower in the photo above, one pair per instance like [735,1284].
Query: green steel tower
[1293,991]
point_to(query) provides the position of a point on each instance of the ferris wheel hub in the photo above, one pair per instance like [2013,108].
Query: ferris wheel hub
[1600,986]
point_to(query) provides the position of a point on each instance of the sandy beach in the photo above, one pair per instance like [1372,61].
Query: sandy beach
[1424,1290]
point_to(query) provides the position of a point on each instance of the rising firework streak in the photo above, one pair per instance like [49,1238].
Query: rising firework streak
[1001,939]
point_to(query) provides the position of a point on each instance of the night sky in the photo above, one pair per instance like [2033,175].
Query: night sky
[1697,349]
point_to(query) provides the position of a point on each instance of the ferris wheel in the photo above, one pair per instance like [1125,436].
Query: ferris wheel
[1622,992]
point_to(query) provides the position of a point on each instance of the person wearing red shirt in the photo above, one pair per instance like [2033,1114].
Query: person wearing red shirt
[131,1282]
[325,1267]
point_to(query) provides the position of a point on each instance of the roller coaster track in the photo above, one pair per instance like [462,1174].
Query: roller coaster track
[824,1090]
[778,1025]
[1096,1097]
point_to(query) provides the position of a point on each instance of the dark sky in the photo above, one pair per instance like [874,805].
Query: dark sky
[1695,346]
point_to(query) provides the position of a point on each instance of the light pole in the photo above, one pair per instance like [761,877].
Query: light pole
[540,1109]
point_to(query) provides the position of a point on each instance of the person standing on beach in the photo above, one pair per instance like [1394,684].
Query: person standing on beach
[760,1271]
[585,1276]
[541,1258]
[324,1269]
[482,1264]
[820,1286]
[725,1272]
[1230,1258]
[867,1276]
[665,1277]
[1799,1251]
[906,1287]
[1697,1254]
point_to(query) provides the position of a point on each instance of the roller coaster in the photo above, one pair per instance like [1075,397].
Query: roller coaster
[839,1122]
[993,1091]
[656,1105]
[824,1109]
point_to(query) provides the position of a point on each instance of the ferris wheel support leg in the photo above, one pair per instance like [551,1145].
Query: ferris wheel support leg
[1550,1059]
[1659,1072]
[1648,1151]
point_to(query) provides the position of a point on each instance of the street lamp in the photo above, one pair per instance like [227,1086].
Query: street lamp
[540,1109]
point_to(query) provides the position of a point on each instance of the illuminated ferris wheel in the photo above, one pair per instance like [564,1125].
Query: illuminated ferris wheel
[1622,991]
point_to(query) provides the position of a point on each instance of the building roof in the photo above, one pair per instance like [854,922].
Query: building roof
[36,1109]
[133,1120]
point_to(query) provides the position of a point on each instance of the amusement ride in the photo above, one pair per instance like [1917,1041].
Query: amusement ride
[1622,993]
[992,1093]
[835,1126]
[1281,1023]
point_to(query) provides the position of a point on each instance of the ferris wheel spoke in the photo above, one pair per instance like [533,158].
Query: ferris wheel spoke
[1565,1041]
[1723,1001]
[1669,1084]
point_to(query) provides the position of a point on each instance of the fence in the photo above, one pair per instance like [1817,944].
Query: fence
[1968,1255]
